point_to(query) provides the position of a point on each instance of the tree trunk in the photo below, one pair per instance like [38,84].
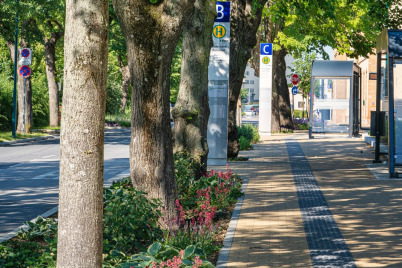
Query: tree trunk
[191,111]
[281,112]
[82,134]
[50,61]
[244,25]
[125,83]
[20,96]
[152,32]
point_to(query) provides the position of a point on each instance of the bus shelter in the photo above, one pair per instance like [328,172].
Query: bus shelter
[388,118]
[334,98]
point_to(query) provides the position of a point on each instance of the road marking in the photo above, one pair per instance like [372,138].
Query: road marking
[53,175]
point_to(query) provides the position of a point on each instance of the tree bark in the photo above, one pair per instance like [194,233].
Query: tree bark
[82,134]
[152,32]
[125,83]
[20,96]
[50,61]
[191,111]
[244,25]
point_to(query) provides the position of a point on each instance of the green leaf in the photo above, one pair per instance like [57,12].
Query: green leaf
[189,251]
[154,248]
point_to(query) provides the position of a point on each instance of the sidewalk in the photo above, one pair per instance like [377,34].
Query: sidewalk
[317,206]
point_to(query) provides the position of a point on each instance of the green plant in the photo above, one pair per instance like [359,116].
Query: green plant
[34,246]
[159,255]
[244,143]
[248,135]
[130,219]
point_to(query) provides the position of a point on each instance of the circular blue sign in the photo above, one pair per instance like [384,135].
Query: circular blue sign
[25,52]
[294,90]
[25,71]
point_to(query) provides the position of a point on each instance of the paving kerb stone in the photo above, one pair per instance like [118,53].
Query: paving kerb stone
[26,140]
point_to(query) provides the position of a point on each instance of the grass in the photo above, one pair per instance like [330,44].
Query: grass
[7,136]
[123,120]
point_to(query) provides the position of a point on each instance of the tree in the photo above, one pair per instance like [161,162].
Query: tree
[50,20]
[245,20]
[191,111]
[118,45]
[82,135]
[152,30]
[296,26]
[302,66]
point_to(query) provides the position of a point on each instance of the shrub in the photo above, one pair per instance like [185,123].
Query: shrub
[159,255]
[244,143]
[130,219]
[249,132]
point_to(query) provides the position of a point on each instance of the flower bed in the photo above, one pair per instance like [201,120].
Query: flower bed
[133,233]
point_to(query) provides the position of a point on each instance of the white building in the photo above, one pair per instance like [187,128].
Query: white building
[251,83]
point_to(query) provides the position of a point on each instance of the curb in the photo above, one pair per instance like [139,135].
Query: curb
[54,210]
[230,233]
[26,140]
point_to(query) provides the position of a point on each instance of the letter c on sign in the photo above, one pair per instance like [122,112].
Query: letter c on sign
[219,10]
[265,49]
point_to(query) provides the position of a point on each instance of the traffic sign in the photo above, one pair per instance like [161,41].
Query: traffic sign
[295,79]
[25,71]
[25,56]
[295,90]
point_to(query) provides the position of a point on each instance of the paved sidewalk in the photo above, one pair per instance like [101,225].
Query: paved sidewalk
[320,208]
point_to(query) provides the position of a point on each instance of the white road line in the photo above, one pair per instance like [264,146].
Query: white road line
[53,175]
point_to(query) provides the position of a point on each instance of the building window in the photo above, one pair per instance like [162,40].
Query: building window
[300,104]
[246,82]
[247,72]
[252,82]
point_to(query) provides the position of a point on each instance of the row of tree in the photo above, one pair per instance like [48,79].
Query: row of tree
[144,35]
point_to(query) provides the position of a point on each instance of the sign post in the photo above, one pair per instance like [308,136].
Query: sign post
[218,86]
[265,89]
[25,72]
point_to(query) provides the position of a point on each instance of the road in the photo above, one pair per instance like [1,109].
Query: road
[29,176]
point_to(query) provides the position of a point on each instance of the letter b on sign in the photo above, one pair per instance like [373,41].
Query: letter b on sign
[219,10]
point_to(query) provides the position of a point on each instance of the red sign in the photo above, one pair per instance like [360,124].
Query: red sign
[295,79]
[25,71]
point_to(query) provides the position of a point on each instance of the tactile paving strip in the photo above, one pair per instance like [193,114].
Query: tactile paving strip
[325,241]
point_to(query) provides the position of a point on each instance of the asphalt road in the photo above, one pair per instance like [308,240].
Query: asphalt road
[29,176]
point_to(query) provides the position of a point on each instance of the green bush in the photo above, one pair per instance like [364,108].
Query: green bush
[244,143]
[249,132]
[159,255]
[130,219]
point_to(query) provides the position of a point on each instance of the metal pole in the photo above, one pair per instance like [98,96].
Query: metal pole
[310,129]
[23,110]
[391,120]
[14,113]
[351,108]
[377,111]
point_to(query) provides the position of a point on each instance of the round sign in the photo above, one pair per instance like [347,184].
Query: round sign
[294,90]
[219,31]
[25,71]
[295,79]
[25,53]
[265,60]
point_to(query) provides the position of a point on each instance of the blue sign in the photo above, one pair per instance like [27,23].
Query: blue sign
[294,90]
[265,49]
[223,10]
[25,71]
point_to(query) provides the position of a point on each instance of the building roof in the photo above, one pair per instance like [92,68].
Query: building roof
[332,68]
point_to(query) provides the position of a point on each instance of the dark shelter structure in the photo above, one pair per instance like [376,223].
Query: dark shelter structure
[388,115]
